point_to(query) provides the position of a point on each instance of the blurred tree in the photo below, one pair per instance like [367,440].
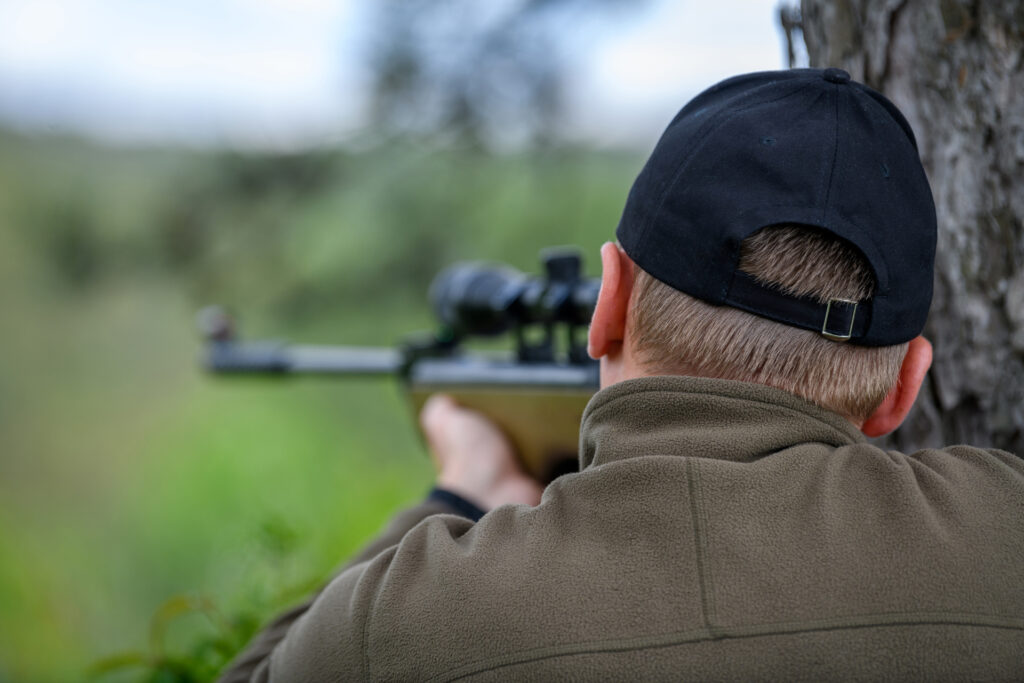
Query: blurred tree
[67,233]
[954,68]
[484,73]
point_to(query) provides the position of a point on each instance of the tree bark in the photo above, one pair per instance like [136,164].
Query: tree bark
[956,70]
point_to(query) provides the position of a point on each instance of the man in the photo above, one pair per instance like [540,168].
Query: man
[760,314]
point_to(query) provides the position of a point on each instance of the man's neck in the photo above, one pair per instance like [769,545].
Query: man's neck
[625,364]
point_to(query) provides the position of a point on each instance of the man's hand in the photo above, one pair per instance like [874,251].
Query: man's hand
[474,458]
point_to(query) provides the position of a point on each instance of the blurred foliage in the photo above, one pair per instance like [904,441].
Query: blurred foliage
[139,497]
[482,74]
[213,636]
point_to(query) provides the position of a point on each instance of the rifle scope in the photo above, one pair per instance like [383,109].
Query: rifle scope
[487,299]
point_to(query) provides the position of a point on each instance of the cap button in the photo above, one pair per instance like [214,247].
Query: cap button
[833,75]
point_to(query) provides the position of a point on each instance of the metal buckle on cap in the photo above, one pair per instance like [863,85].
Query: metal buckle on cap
[825,326]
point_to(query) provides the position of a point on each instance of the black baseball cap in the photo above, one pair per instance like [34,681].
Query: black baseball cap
[806,147]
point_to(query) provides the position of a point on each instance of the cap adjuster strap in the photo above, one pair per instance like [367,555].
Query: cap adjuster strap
[837,313]
[838,320]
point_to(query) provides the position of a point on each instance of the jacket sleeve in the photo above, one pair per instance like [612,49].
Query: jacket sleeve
[253,663]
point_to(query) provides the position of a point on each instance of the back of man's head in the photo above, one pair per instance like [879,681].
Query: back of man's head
[674,333]
[784,234]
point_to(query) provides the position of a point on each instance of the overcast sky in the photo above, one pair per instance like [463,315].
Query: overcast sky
[280,73]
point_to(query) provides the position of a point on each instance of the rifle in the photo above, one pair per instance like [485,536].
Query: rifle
[535,394]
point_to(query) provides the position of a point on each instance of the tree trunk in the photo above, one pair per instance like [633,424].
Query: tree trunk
[956,70]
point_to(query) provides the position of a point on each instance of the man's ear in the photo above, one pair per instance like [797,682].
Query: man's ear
[608,326]
[900,399]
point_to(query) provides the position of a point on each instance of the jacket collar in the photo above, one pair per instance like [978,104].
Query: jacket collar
[699,417]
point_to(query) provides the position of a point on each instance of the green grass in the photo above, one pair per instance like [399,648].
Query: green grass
[130,478]
[153,513]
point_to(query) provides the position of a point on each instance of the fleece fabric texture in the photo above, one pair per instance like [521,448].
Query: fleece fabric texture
[716,531]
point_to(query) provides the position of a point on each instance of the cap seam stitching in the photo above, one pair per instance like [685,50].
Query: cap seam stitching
[835,149]
[703,136]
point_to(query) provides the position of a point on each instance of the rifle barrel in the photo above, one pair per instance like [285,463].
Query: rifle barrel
[480,369]
[279,358]
[483,371]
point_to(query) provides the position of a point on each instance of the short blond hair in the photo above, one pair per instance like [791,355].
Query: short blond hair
[673,333]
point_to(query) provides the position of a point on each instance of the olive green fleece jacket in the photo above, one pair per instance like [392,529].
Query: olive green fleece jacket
[717,531]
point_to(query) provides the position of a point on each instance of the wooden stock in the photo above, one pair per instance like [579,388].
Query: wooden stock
[542,423]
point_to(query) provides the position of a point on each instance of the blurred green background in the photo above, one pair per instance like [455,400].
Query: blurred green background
[128,478]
